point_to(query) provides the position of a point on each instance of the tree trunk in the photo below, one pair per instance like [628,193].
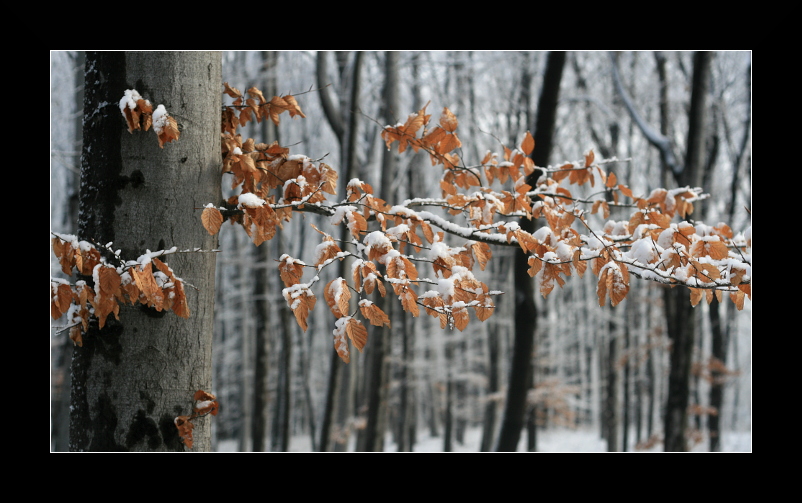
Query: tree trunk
[681,318]
[261,287]
[132,378]
[376,377]
[525,307]
[611,394]
[720,329]
[344,123]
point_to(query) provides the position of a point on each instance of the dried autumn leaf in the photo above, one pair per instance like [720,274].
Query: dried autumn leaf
[613,281]
[535,265]
[290,270]
[212,219]
[337,296]
[231,91]
[737,298]
[165,126]
[205,403]
[180,306]
[485,308]
[301,301]
[696,295]
[481,252]
[61,299]
[528,144]
[147,285]
[460,315]
[76,336]
[292,107]
[409,301]
[373,313]
[326,250]
[589,159]
[109,281]
[185,427]
[711,246]
[340,339]
[448,120]
[434,305]
[357,333]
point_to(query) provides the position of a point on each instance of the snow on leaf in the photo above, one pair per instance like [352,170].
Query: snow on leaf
[290,270]
[165,126]
[337,296]
[340,339]
[205,403]
[301,300]
[185,427]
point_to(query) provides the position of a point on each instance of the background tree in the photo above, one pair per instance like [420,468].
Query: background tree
[133,377]
[525,308]
[680,316]
[66,160]
[376,381]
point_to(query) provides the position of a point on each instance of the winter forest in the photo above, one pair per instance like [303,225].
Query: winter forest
[561,365]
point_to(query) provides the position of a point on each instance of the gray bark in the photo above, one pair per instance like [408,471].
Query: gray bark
[133,377]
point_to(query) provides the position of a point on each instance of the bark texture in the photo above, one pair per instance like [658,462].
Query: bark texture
[133,377]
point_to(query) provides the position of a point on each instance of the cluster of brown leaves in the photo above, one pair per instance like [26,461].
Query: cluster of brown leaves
[138,114]
[273,184]
[692,258]
[439,142]
[205,404]
[271,181]
[151,283]
[255,107]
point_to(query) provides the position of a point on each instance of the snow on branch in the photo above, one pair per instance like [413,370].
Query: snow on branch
[480,207]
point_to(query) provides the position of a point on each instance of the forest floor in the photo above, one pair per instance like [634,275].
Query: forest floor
[552,440]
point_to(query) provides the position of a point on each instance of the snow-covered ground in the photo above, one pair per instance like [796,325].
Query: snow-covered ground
[554,440]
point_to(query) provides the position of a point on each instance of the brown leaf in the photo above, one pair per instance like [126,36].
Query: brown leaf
[301,300]
[205,403]
[409,301]
[326,250]
[460,316]
[528,144]
[485,309]
[482,253]
[340,339]
[185,427]
[231,91]
[373,313]
[448,120]
[589,159]
[337,296]
[290,270]
[76,336]
[147,285]
[167,131]
[109,281]
[357,333]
